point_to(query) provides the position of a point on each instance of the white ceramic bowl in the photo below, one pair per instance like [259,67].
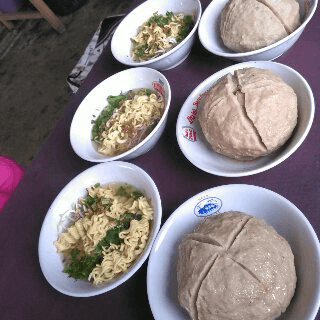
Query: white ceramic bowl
[105,173]
[96,100]
[198,151]
[284,216]
[209,34]
[128,28]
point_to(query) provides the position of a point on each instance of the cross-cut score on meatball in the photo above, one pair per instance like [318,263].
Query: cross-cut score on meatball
[234,266]
[248,114]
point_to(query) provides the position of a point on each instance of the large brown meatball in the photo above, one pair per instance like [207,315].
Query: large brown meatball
[248,25]
[235,266]
[249,114]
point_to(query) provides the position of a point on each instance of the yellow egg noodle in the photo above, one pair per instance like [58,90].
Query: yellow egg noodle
[156,35]
[160,34]
[110,211]
[118,258]
[131,123]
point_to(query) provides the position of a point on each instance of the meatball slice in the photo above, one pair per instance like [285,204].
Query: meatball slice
[230,292]
[195,260]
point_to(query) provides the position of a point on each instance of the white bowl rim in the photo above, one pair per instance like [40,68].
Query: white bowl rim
[285,156]
[164,229]
[143,257]
[153,60]
[149,136]
[271,46]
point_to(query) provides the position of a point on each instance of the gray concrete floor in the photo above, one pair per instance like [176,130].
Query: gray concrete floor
[34,64]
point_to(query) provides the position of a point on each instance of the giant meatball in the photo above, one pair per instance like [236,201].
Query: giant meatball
[235,266]
[249,114]
[248,25]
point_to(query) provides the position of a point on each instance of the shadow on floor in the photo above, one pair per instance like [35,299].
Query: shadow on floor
[34,64]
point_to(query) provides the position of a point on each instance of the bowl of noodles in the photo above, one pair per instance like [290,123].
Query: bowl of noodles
[100,229]
[157,34]
[123,117]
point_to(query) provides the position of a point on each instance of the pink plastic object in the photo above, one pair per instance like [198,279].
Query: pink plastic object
[10,175]
[4,198]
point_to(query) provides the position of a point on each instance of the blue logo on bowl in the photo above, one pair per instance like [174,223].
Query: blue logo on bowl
[207,206]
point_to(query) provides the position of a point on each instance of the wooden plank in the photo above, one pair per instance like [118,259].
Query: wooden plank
[8,24]
[20,16]
[44,12]
[47,14]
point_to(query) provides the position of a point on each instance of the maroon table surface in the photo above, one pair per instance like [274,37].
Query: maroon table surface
[25,294]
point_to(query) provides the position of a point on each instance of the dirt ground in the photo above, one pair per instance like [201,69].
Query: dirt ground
[34,63]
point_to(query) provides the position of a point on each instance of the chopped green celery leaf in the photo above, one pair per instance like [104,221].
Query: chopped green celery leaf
[106,114]
[90,200]
[81,268]
[137,194]
[115,100]
[126,224]
[188,24]
[112,236]
[107,206]
[160,20]
[139,53]
[127,215]
[122,191]
[130,216]
[107,203]
[188,20]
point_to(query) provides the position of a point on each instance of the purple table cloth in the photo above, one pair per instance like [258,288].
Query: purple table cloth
[25,294]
